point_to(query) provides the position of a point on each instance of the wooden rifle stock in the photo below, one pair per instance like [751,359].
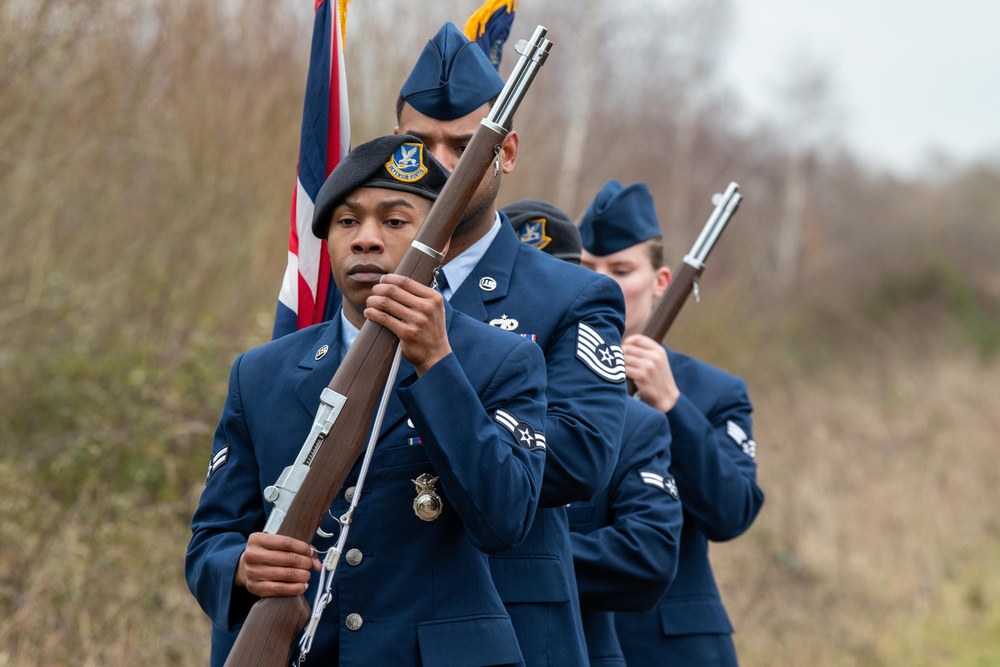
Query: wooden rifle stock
[265,640]
[686,279]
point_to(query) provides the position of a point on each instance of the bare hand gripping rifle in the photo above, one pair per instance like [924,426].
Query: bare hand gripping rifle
[306,489]
[686,279]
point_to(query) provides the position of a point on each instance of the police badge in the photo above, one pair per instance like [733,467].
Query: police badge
[427,505]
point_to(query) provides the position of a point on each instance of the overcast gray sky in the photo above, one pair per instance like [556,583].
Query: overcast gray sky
[908,76]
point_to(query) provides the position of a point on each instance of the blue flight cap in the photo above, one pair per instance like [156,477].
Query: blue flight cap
[394,162]
[619,218]
[452,77]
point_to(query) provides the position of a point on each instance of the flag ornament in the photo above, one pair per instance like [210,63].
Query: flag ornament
[489,27]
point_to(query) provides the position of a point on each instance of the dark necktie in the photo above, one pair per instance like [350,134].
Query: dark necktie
[440,281]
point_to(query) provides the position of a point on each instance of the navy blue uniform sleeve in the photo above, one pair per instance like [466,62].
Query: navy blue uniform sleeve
[714,464]
[586,396]
[488,450]
[628,564]
[230,509]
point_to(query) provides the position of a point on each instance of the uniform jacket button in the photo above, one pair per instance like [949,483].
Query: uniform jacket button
[354,622]
[354,556]
[349,493]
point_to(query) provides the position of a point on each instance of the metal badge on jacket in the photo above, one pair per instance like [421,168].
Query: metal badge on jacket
[427,505]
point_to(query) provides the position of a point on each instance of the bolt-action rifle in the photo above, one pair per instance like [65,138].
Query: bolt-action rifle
[686,279]
[306,489]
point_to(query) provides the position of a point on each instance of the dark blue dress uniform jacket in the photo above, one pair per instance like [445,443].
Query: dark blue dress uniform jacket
[626,540]
[549,298]
[712,452]
[422,589]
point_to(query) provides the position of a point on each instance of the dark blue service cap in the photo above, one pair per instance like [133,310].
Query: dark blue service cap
[394,162]
[546,227]
[619,218]
[452,77]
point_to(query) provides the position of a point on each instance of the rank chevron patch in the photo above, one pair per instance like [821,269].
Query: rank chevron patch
[525,436]
[665,484]
[218,460]
[748,446]
[607,361]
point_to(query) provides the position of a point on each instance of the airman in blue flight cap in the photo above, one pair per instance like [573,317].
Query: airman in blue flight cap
[712,448]
[626,539]
[452,77]
[574,316]
[618,218]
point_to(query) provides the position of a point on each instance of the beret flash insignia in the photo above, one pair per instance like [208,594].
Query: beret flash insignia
[407,163]
[533,233]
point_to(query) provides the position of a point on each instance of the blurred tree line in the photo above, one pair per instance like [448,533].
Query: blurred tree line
[147,164]
[148,154]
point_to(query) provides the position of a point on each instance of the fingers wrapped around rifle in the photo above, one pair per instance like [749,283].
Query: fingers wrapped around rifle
[276,565]
[647,365]
[415,313]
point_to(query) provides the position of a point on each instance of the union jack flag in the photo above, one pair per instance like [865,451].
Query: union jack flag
[305,293]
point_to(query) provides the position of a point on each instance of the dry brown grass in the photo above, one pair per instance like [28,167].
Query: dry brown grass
[877,544]
[881,476]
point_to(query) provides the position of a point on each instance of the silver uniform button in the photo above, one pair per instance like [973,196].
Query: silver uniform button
[354,622]
[354,557]
[349,494]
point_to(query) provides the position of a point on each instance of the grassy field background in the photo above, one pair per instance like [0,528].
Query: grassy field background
[147,156]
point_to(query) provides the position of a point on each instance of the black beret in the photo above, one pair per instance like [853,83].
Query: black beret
[394,162]
[546,227]
[618,218]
